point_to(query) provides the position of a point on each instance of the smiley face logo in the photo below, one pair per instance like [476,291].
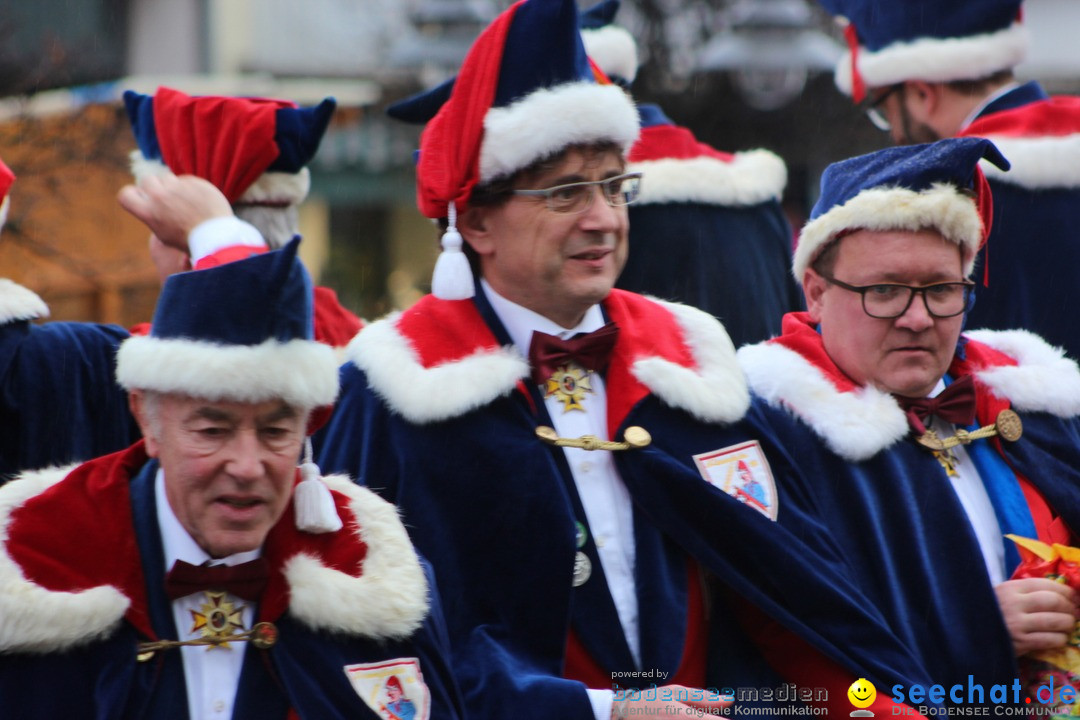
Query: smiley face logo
[862,693]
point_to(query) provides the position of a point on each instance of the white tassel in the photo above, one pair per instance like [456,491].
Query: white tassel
[453,279]
[315,509]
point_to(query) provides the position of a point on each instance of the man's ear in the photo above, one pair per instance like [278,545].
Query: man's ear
[474,225]
[137,403]
[923,100]
[814,287]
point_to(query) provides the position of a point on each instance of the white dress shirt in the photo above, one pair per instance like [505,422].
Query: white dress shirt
[211,673]
[969,488]
[603,495]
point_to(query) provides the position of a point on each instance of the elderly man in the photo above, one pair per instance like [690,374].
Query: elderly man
[570,490]
[926,70]
[879,395]
[201,573]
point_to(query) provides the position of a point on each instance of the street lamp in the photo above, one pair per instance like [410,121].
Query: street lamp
[769,50]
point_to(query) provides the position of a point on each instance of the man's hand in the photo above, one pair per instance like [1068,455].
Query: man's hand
[1039,613]
[661,702]
[173,206]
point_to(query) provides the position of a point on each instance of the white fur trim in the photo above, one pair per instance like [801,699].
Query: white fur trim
[546,121]
[1037,162]
[5,206]
[426,395]
[751,178]
[390,598]
[142,168]
[274,187]
[936,59]
[19,303]
[614,51]
[858,425]
[303,373]
[855,425]
[716,391]
[279,187]
[941,207]
[1044,381]
[36,620]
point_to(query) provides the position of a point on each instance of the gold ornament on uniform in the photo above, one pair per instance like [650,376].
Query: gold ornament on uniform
[263,635]
[218,619]
[1007,425]
[634,438]
[568,384]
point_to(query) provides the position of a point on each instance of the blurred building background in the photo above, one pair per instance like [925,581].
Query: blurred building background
[740,73]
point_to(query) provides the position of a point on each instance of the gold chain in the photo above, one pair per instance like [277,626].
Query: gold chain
[1007,425]
[635,437]
[262,635]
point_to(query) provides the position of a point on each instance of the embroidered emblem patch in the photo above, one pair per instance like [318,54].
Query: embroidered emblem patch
[394,689]
[743,473]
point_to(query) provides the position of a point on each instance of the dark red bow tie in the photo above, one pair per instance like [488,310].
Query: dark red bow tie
[592,351]
[955,404]
[246,580]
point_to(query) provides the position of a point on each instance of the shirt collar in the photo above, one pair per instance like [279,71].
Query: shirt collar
[520,322]
[1007,88]
[177,542]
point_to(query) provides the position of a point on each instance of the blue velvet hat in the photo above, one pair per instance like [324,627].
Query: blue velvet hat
[891,41]
[241,331]
[912,187]
[610,46]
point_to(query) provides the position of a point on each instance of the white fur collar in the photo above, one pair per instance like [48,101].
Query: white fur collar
[390,598]
[19,303]
[1037,162]
[858,425]
[715,392]
[751,178]
[1045,379]
[388,601]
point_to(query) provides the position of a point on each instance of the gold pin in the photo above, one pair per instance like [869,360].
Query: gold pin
[633,439]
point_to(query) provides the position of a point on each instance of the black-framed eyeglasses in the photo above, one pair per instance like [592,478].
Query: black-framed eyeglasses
[888,301]
[577,197]
[872,108]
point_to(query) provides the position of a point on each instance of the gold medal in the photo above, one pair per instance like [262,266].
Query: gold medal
[217,619]
[1009,426]
[569,384]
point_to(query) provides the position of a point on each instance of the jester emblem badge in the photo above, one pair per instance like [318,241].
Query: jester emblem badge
[568,384]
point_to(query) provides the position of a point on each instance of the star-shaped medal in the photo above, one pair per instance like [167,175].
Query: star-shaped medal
[217,619]
[569,384]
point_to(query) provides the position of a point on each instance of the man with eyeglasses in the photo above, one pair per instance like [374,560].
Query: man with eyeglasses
[564,453]
[920,446]
[925,70]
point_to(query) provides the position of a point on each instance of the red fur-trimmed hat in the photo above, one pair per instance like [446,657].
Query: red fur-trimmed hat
[7,178]
[526,91]
[254,150]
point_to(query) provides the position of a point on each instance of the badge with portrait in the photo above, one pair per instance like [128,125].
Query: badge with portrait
[743,473]
[394,689]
